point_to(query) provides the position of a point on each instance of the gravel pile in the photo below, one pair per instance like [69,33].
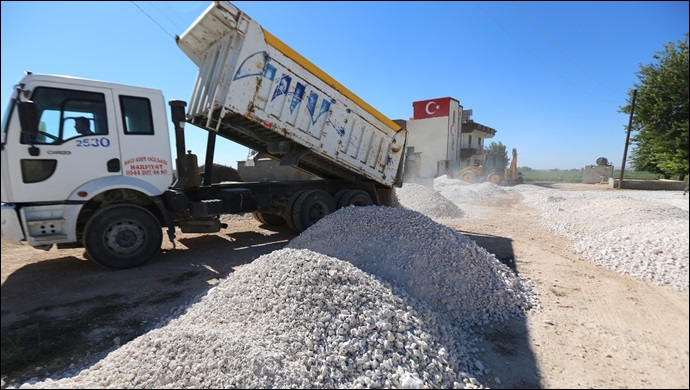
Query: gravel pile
[432,262]
[427,201]
[458,192]
[640,233]
[292,318]
[367,297]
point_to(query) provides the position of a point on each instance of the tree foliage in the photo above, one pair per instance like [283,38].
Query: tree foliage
[499,148]
[659,131]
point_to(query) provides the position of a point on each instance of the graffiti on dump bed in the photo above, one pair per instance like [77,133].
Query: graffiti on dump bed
[258,64]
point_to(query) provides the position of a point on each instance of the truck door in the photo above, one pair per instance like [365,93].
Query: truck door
[77,142]
[144,138]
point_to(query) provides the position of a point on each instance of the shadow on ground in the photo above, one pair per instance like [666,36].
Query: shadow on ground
[506,348]
[63,314]
[500,247]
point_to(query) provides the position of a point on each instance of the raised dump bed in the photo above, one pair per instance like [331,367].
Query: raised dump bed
[255,90]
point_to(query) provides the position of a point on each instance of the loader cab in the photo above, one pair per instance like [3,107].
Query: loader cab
[493,162]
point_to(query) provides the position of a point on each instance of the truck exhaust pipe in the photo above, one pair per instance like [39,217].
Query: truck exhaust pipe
[177,114]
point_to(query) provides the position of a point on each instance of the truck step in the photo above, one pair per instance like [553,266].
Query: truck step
[49,228]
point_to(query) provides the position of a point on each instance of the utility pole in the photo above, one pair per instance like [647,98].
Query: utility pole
[627,140]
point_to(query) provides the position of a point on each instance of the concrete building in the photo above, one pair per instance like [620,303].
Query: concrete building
[442,138]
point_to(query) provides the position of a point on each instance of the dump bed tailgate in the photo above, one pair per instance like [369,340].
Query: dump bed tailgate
[253,89]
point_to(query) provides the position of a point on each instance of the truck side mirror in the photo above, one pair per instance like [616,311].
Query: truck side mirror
[28,117]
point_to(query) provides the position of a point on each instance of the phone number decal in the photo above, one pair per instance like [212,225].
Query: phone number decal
[146,165]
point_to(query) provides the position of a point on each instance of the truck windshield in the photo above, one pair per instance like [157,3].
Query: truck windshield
[65,114]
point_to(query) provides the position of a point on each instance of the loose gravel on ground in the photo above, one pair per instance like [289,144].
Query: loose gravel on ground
[385,297]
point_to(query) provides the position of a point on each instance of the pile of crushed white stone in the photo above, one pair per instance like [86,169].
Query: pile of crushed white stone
[384,297]
[367,297]
[635,232]
[640,233]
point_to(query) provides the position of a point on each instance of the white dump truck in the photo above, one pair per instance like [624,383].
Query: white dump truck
[88,163]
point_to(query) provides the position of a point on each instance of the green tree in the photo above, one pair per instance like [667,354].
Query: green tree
[500,149]
[659,131]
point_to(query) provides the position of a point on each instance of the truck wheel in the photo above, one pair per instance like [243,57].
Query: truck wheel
[339,195]
[311,206]
[122,236]
[269,219]
[289,207]
[468,177]
[387,197]
[354,197]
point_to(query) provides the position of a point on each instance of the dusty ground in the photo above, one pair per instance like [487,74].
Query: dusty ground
[597,328]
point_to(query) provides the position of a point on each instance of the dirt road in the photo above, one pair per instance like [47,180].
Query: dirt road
[596,328]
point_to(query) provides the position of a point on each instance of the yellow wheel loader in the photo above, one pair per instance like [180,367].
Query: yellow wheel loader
[492,169]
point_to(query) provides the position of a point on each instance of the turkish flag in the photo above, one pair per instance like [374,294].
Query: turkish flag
[431,108]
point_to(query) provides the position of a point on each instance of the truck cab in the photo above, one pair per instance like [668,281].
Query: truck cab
[52,173]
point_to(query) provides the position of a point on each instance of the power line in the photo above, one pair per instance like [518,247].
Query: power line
[154,21]
[153,4]
[536,56]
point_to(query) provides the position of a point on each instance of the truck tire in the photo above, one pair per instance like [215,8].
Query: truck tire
[289,206]
[122,236]
[387,197]
[311,206]
[354,197]
[339,195]
[269,219]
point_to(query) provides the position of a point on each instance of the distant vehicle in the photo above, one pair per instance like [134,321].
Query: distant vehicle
[489,169]
[493,169]
[519,179]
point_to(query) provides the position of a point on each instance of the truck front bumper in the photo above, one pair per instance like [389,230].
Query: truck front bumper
[11,227]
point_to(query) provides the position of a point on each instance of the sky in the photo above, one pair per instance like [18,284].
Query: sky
[549,76]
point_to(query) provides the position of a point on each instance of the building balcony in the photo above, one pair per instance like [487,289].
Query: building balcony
[477,129]
[469,152]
